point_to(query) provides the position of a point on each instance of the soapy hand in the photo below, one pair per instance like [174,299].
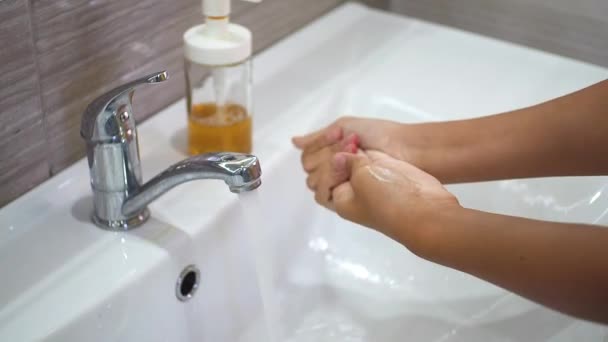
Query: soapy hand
[377,189]
[346,134]
[389,195]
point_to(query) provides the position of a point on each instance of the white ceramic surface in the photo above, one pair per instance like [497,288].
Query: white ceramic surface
[63,279]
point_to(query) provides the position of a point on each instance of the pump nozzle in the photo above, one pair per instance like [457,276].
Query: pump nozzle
[218,8]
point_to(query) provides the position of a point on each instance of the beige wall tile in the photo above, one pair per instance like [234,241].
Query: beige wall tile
[23,161]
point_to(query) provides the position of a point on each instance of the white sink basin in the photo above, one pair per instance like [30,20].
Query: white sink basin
[322,279]
[337,281]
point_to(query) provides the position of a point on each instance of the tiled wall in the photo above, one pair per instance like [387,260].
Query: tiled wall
[23,160]
[573,28]
[57,55]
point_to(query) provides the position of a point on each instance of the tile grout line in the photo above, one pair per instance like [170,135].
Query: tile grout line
[39,86]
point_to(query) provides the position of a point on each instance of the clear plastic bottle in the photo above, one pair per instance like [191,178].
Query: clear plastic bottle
[218,82]
[219,107]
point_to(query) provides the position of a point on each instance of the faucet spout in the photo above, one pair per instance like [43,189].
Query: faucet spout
[241,172]
[119,195]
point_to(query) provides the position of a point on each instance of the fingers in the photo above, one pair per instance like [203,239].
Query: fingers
[343,200]
[319,149]
[312,160]
[336,173]
[317,140]
[335,176]
[311,182]
[345,163]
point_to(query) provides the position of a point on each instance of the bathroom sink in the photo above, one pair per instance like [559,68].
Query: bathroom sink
[274,264]
[122,287]
[332,280]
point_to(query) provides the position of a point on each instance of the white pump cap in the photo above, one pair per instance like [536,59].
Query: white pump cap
[217,42]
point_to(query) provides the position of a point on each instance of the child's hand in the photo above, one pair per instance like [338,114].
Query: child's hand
[316,161]
[389,195]
[385,136]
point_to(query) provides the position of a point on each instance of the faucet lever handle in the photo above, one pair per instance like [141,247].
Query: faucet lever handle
[105,102]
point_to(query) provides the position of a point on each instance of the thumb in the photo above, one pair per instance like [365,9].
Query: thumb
[343,196]
[343,200]
[345,163]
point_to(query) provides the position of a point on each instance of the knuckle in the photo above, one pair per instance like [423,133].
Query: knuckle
[335,182]
[342,205]
[308,163]
[321,193]
[310,182]
[318,197]
[321,197]
[340,209]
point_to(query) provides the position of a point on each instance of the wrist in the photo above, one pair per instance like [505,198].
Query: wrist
[446,150]
[421,145]
[430,240]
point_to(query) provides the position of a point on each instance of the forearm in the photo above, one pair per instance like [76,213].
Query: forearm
[562,266]
[564,136]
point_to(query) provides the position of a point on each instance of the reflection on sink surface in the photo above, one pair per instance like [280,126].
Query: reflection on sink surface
[337,281]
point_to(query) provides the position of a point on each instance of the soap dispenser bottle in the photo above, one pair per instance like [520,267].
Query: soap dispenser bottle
[218,82]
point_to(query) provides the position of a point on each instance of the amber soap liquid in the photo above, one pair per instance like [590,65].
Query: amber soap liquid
[213,128]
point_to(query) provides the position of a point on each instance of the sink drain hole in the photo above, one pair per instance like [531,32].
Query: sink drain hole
[187,283]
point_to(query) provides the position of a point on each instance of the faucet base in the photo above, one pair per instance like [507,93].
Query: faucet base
[123,225]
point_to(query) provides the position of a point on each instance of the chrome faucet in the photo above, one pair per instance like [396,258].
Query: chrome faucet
[120,199]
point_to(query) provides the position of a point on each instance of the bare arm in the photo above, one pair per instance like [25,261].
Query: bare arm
[562,137]
[562,266]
